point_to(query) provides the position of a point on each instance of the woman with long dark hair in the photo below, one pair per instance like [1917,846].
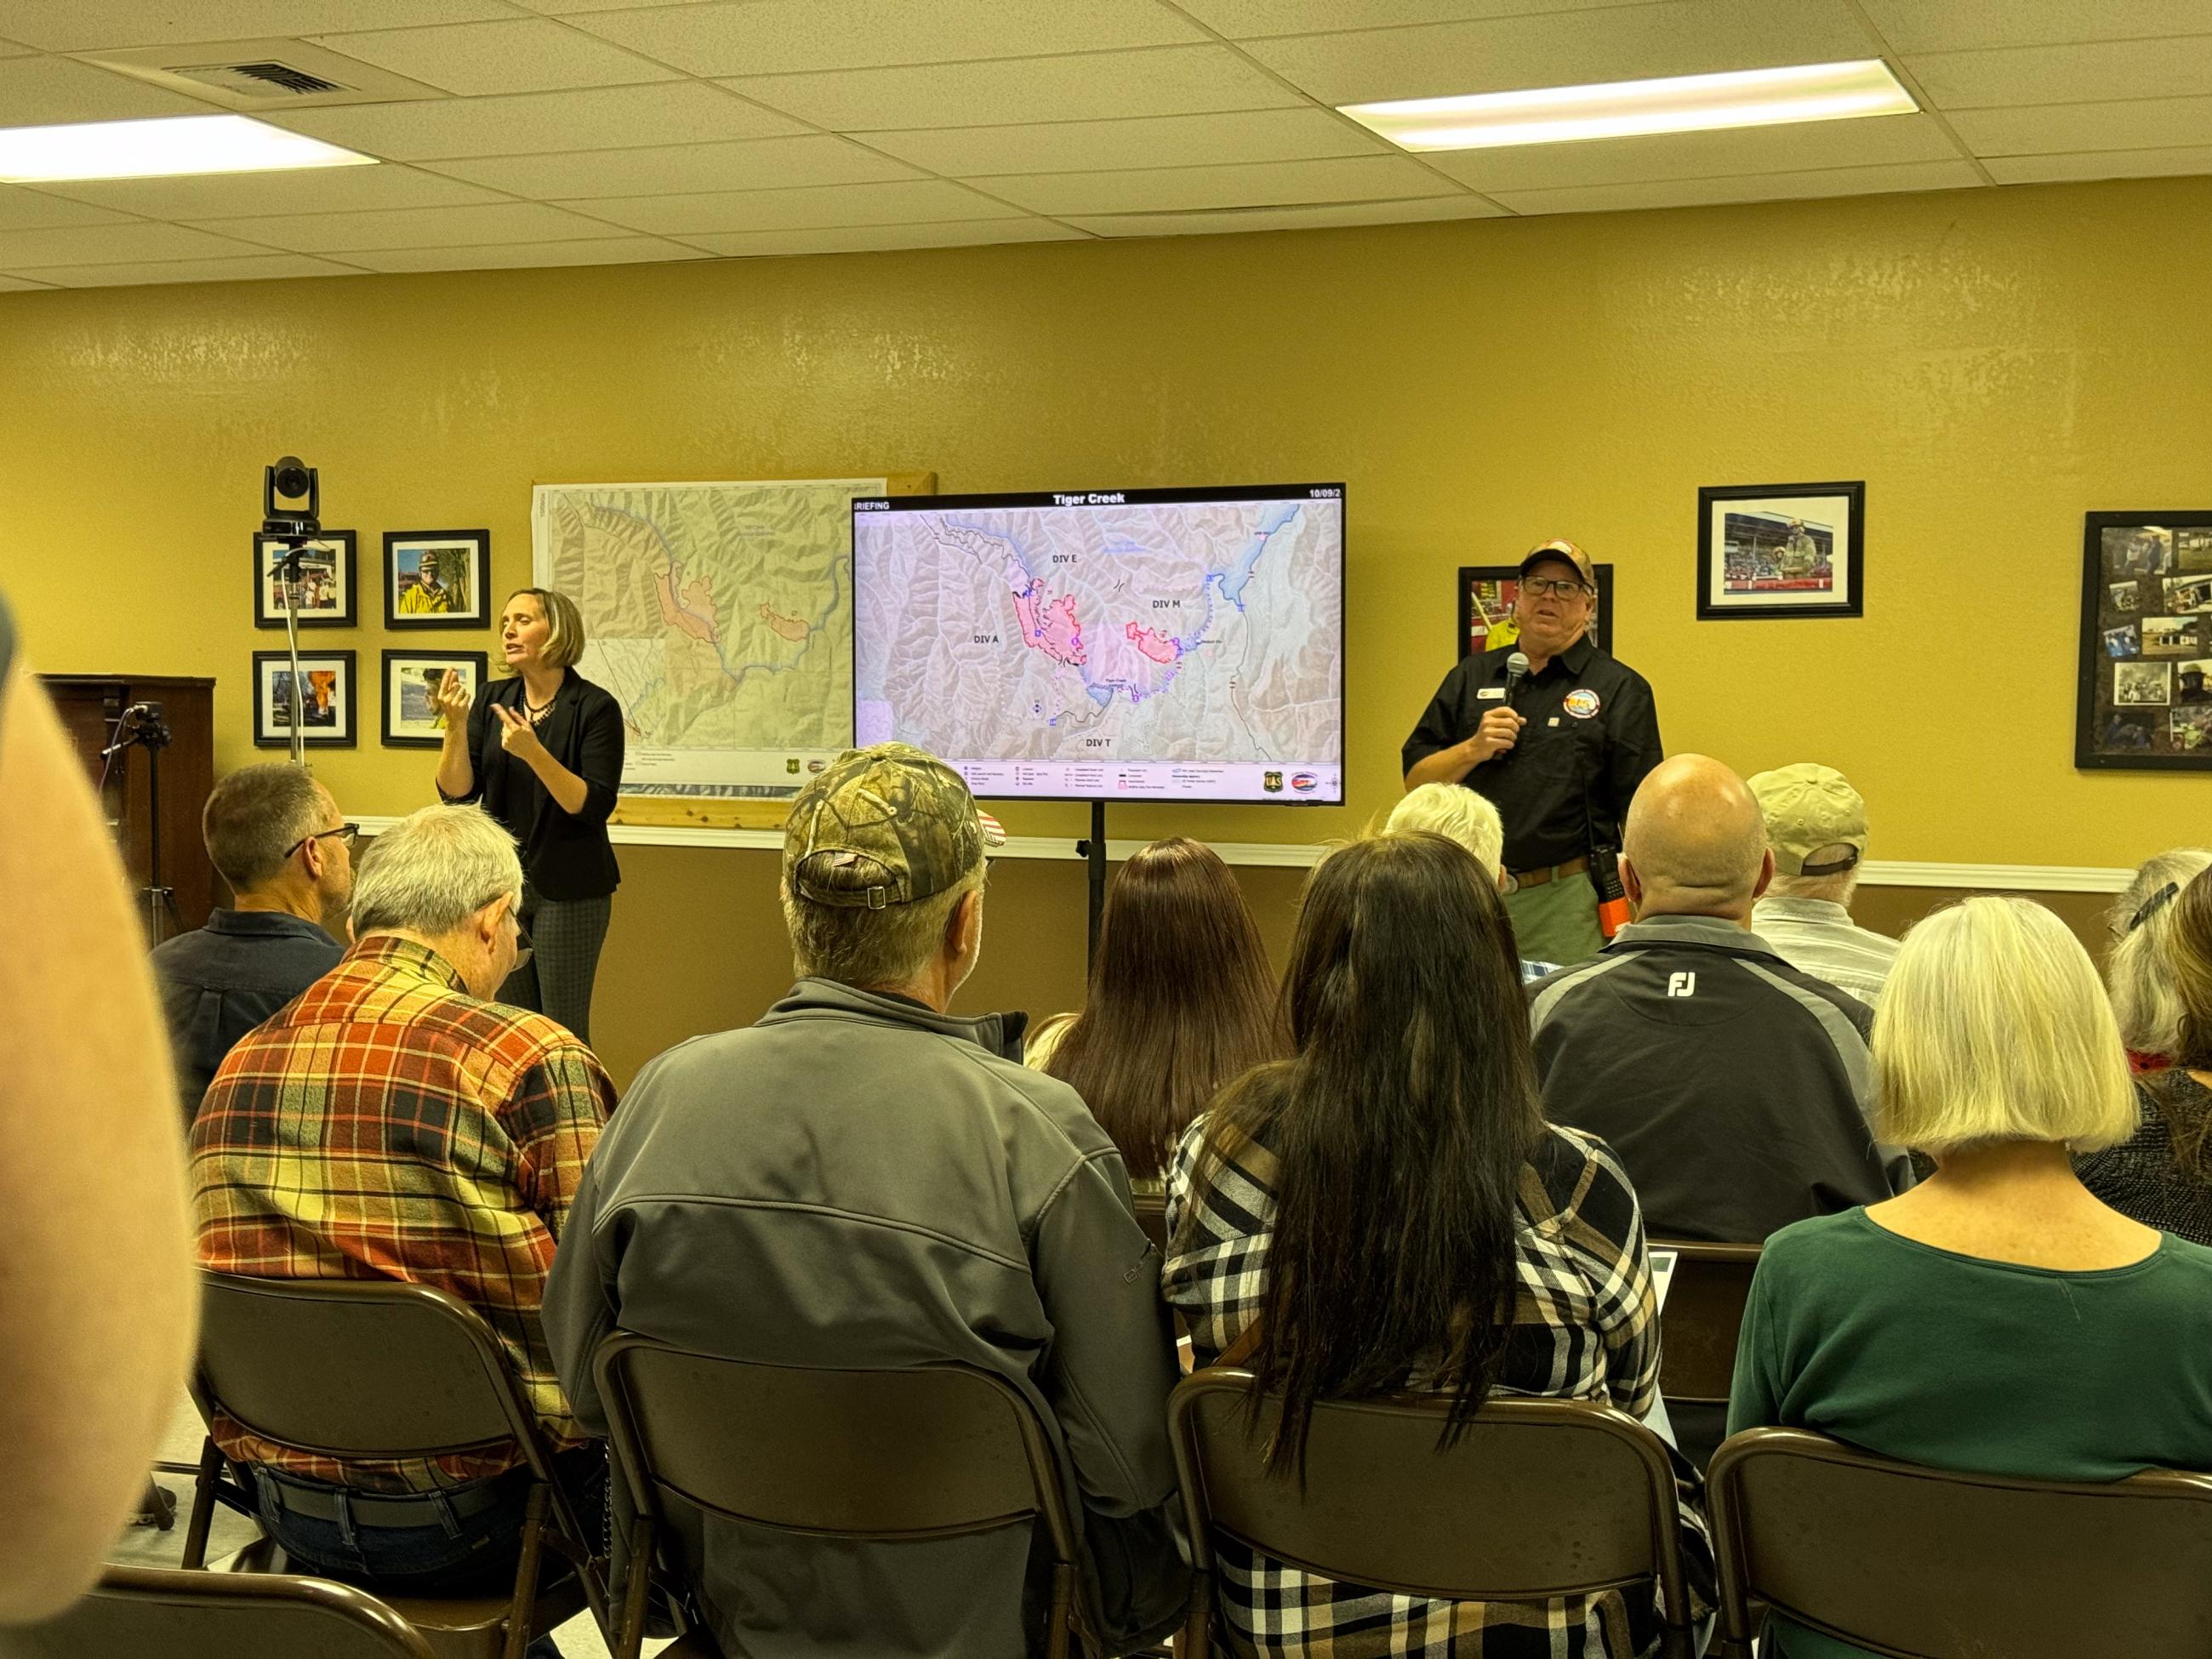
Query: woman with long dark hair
[1181,1004]
[1411,1223]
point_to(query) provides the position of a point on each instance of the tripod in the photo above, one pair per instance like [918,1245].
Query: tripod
[141,725]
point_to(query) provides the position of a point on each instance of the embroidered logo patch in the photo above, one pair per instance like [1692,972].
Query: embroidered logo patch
[1581,704]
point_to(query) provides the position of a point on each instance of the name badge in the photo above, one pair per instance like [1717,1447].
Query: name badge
[1490,693]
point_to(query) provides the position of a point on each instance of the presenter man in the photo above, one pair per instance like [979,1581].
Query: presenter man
[1559,750]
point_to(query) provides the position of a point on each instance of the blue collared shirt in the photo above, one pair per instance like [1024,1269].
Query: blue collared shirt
[220,981]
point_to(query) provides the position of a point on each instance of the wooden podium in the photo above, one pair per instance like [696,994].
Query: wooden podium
[146,821]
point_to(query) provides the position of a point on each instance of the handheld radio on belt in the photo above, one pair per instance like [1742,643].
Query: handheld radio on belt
[1604,867]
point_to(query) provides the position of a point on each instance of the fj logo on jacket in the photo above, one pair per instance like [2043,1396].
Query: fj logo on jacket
[1681,984]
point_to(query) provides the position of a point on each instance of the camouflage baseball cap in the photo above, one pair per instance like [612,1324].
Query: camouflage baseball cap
[882,826]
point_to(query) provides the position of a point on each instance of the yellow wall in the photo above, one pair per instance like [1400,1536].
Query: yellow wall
[1993,363]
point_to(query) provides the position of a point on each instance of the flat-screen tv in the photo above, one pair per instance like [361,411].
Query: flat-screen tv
[1109,644]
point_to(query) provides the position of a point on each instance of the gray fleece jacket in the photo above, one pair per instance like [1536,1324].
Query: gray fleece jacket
[858,1182]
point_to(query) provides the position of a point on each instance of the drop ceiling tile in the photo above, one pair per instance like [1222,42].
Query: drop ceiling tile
[1422,210]
[538,122]
[525,54]
[316,190]
[919,201]
[1246,20]
[456,227]
[755,164]
[1159,141]
[598,250]
[1967,25]
[34,210]
[2101,164]
[86,25]
[2072,129]
[1801,147]
[869,238]
[26,250]
[1684,36]
[1159,190]
[39,91]
[1761,187]
[255,267]
[2110,70]
[775,37]
[1095,86]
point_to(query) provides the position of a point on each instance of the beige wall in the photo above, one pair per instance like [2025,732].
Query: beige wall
[1993,363]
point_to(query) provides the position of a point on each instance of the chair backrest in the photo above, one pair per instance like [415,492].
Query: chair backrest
[928,1451]
[1152,1217]
[1698,1326]
[1537,1499]
[219,1615]
[1912,1561]
[358,1368]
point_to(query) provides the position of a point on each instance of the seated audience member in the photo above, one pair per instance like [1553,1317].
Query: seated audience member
[2161,1176]
[1459,814]
[1996,1318]
[393,1122]
[2136,971]
[1816,825]
[1388,1211]
[1732,1086]
[97,1298]
[276,836]
[1181,1001]
[864,1180]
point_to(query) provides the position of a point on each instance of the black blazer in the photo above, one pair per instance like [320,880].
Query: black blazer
[565,856]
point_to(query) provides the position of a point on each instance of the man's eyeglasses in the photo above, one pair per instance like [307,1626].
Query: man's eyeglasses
[349,833]
[1559,586]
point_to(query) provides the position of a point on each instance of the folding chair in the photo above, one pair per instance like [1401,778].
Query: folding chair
[219,1615]
[931,1451]
[1926,1564]
[1698,1331]
[378,1368]
[1537,1499]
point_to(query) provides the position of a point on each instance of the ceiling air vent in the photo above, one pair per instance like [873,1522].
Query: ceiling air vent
[266,79]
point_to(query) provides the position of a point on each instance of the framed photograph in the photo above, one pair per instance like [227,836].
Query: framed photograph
[330,700]
[1486,594]
[410,720]
[437,578]
[325,594]
[1781,551]
[2144,700]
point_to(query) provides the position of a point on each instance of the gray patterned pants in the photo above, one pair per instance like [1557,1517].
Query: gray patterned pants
[556,982]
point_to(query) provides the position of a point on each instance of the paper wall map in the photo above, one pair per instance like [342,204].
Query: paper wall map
[720,615]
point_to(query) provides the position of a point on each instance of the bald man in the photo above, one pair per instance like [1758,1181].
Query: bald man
[1734,1088]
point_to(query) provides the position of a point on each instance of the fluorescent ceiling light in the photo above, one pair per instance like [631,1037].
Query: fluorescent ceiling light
[172,146]
[1627,109]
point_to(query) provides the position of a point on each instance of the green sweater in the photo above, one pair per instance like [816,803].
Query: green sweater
[1947,1360]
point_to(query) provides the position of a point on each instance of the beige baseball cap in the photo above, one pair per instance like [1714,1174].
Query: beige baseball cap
[1809,807]
[1566,553]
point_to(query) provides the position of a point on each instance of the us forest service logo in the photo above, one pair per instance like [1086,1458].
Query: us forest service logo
[1581,704]
[1273,783]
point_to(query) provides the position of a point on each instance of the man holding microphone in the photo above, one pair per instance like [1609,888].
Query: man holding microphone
[1555,734]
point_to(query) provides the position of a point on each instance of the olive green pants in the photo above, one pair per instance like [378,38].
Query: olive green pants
[1557,922]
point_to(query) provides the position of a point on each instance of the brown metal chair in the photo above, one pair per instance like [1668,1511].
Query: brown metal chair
[1538,1499]
[219,1615]
[928,1451]
[1698,1326]
[1925,1563]
[378,1368]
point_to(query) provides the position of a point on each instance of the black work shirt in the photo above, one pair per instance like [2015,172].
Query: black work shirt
[220,981]
[1593,734]
[565,856]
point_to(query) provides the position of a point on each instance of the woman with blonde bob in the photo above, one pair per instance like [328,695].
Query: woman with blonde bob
[1996,1318]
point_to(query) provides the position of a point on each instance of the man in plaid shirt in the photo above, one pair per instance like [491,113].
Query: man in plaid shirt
[392,1122]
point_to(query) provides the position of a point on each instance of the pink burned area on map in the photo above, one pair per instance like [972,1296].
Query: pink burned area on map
[1160,647]
[690,609]
[790,627]
[1049,625]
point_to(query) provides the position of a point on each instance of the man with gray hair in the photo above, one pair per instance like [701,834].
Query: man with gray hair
[275,835]
[1734,1088]
[864,1180]
[394,1122]
[1816,823]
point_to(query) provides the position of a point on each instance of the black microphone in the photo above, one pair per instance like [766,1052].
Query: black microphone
[1516,669]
